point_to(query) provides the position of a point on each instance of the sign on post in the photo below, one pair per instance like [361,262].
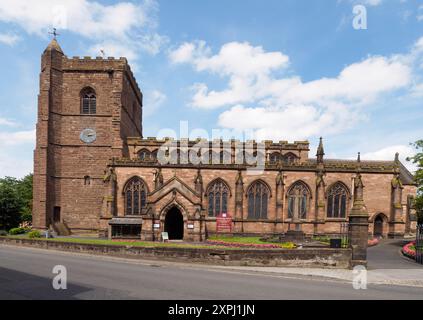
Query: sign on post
[223,223]
[165,236]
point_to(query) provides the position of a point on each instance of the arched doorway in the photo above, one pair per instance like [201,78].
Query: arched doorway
[174,224]
[378,226]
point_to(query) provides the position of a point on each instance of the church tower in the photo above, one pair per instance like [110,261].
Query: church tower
[86,110]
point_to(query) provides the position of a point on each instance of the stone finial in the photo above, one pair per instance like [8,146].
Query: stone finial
[320,151]
[396,157]
[359,157]
[54,45]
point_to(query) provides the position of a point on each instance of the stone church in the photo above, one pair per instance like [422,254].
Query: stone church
[94,172]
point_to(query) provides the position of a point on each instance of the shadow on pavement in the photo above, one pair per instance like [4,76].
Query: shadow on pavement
[15,285]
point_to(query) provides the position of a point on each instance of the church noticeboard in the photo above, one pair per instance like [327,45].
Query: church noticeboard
[224,223]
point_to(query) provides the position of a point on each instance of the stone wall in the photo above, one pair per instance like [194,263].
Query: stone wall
[315,257]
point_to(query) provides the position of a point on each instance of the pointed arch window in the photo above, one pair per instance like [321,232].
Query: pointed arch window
[135,197]
[275,157]
[290,158]
[337,201]
[258,198]
[217,194]
[298,201]
[144,155]
[88,101]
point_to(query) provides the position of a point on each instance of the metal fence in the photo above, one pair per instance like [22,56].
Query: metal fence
[419,244]
[344,234]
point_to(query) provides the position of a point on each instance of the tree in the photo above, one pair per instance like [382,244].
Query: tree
[24,188]
[418,177]
[10,206]
[15,201]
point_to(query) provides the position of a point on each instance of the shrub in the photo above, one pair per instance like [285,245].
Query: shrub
[34,234]
[15,231]
[3,233]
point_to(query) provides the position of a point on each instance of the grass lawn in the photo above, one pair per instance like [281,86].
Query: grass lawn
[244,240]
[249,240]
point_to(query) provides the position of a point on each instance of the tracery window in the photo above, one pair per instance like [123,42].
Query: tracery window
[258,198]
[290,158]
[135,196]
[217,194]
[298,201]
[337,200]
[144,155]
[88,101]
[275,157]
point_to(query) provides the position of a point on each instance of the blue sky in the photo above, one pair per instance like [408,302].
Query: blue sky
[288,70]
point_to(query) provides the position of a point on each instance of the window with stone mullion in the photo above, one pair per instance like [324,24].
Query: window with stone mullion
[218,199]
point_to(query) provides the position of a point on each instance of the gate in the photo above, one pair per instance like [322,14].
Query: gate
[419,244]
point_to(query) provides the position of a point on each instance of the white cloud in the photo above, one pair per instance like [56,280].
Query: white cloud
[16,155]
[124,27]
[15,165]
[388,153]
[153,101]
[249,70]
[372,2]
[262,94]
[417,90]
[7,122]
[17,138]
[9,39]
[88,18]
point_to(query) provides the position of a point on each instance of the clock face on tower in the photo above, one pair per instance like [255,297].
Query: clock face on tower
[88,135]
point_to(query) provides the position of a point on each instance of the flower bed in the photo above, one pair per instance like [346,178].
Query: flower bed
[372,242]
[409,250]
[287,245]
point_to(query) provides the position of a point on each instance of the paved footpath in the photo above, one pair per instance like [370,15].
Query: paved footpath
[386,265]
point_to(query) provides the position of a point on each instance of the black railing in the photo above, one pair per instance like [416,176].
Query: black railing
[344,233]
[419,244]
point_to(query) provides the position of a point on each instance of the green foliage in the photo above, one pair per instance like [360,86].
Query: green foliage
[15,201]
[3,233]
[418,177]
[34,234]
[15,231]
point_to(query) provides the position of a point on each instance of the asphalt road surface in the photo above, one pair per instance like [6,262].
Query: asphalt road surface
[26,273]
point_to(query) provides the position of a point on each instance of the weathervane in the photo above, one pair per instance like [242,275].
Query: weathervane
[54,33]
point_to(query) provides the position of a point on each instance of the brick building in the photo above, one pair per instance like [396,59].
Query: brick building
[94,172]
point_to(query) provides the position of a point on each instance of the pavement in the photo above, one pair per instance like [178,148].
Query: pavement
[386,265]
[26,273]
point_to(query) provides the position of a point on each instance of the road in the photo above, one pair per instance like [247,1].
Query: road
[26,273]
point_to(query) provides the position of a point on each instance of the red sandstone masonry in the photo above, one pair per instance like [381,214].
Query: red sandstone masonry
[317,258]
[61,159]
